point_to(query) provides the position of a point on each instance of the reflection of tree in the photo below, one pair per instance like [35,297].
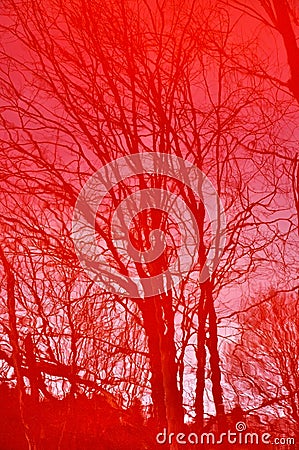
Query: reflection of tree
[263,364]
[83,84]
[279,17]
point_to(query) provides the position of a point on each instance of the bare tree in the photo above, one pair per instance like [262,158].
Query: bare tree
[90,83]
[263,364]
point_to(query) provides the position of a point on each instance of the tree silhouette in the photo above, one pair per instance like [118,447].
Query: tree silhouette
[83,85]
[263,364]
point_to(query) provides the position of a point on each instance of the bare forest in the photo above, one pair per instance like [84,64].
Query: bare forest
[149,200]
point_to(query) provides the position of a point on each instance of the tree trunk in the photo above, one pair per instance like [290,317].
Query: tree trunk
[14,342]
[212,343]
[285,28]
[201,361]
[173,398]
[158,319]
[150,326]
